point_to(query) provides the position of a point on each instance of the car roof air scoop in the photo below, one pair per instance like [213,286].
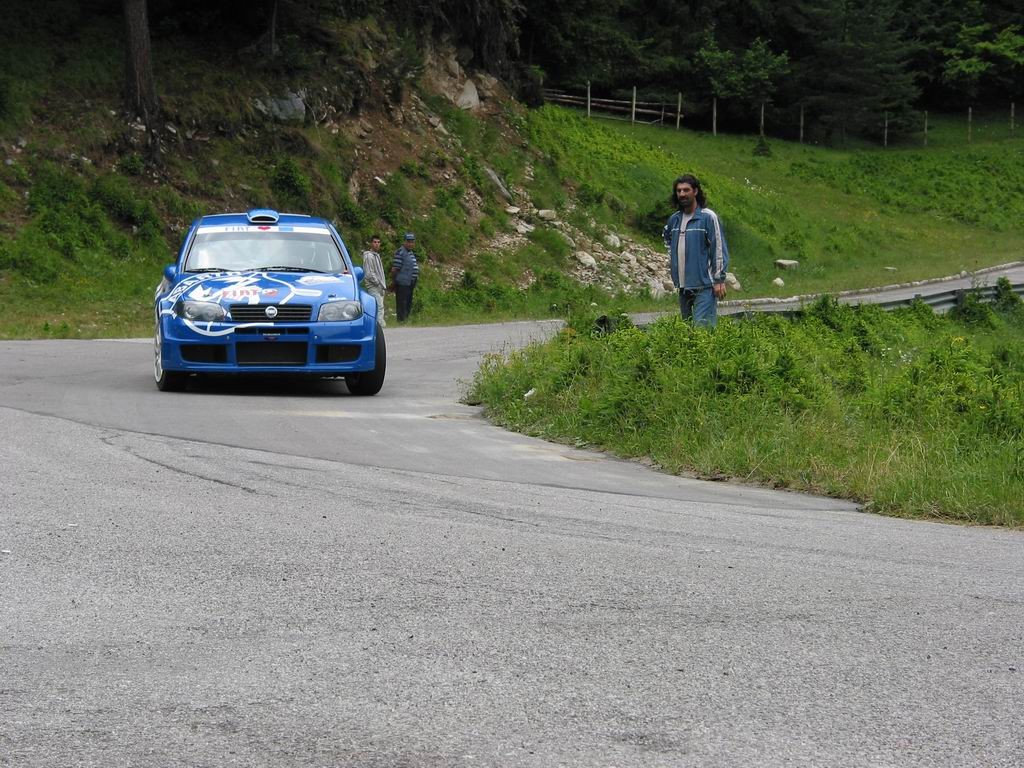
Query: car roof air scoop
[262,216]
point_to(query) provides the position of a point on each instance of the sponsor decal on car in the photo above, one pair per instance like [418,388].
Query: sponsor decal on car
[237,293]
[215,228]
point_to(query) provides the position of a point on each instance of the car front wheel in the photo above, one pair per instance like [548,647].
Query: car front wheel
[370,382]
[166,381]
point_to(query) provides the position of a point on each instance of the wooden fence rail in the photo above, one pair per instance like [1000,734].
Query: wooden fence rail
[628,107]
[659,110]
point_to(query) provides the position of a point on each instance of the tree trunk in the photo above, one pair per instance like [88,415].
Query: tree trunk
[272,43]
[140,89]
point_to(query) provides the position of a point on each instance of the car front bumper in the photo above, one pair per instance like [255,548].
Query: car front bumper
[325,349]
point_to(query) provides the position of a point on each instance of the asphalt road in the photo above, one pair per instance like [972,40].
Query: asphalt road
[279,574]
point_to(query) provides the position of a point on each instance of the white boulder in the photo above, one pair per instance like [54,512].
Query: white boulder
[656,288]
[469,98]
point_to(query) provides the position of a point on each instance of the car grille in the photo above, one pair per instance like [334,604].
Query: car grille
[277,330]
[271,353]
[257,313]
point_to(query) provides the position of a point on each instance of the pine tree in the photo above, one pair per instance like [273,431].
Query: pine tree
[856,71]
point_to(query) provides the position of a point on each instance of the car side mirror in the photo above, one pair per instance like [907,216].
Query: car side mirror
[170,272]
[358,272]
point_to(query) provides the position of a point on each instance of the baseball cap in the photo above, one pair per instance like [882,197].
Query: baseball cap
[410,236]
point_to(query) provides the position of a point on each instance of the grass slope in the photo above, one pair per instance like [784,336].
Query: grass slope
[845,215]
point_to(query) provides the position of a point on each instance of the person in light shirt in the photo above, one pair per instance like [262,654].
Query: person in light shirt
[374,280]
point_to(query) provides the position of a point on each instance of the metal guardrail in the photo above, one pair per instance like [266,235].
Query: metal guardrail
[940,301]
[946,300]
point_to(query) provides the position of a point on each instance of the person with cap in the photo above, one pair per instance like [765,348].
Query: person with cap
[405,270]
[373,277]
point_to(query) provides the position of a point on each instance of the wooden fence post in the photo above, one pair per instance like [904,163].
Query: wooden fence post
[926,127]
[885,131]
[662,111]
[1013,106]
[588,98]
[679,109]
[970,123]
[762,119]
[714,116]
[632,119]
[801,123]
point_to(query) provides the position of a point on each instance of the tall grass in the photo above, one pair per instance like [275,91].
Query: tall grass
[912,413]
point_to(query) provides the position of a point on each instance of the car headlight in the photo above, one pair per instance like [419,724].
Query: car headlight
[340,310]
[202,311]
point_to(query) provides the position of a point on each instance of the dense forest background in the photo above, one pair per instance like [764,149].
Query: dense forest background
[844,65]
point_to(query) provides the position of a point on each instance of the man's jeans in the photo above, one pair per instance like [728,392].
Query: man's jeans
[700,305]
[378,294]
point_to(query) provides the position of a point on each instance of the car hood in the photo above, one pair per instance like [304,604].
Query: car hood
[229,288]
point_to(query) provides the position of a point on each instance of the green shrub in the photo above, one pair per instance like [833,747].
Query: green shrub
[6,98]
[294,56]
[414,169]
[401,64]
[555,246]
[351,212]
[120,201]
[72,251]
[762,148]
[972,311]
[1005,299]
[590,194]
[291,185]
[132,164]
[473,171]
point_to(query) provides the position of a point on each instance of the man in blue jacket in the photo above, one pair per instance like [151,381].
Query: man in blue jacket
[405,271]
[697,253]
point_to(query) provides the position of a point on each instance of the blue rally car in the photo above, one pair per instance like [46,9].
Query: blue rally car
[263,292]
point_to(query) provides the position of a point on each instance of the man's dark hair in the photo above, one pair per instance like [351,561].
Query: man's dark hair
[693,182]
[375,237]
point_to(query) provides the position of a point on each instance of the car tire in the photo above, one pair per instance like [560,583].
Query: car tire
[370,382]
[166,381]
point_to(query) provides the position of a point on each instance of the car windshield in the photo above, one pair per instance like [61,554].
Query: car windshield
[240,251]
